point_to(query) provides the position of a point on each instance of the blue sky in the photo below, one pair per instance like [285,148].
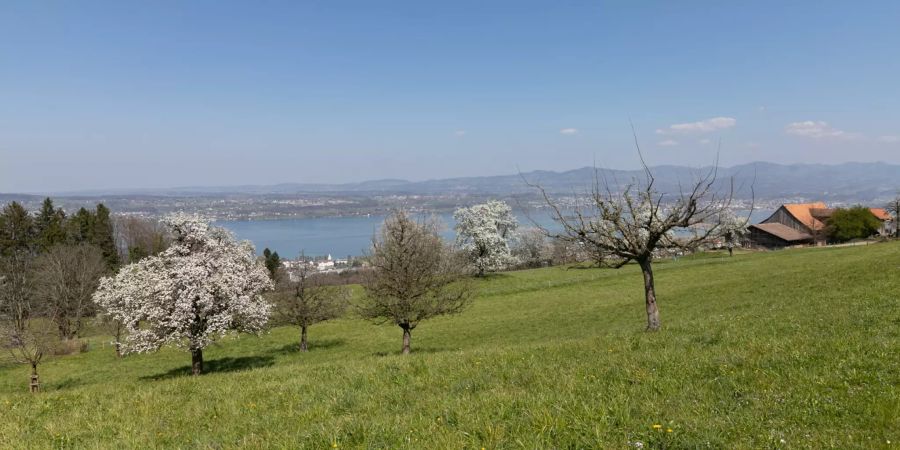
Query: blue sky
[157,94]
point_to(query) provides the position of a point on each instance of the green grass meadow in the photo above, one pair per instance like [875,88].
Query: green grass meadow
[788,349]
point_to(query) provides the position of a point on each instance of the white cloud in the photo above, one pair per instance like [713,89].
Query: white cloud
[667,143]
[703,126]
[817,130]
[705,141]
[889,139]
[460,132]
[568,131]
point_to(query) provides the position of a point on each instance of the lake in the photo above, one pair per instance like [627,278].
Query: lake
[343,236]
[337,236]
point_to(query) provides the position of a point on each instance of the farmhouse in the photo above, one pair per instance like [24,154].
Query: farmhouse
[888,226]
[803,224]
[791,224]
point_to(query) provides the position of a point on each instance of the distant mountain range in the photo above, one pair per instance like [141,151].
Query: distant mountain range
[841,182]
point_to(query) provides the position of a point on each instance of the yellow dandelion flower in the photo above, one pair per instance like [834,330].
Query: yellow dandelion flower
[668,430]
[657,426]
[334,445]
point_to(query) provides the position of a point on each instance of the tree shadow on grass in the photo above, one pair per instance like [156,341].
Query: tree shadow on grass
[415,351]
[586,267]
[492,276]
[221,365]
[312,344]
[67,383]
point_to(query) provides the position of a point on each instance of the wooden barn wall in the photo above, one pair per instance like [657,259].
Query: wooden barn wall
[782,216]
[759,238]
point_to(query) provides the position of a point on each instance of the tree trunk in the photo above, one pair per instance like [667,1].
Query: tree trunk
[303,346]
[406,339]
[730,251]
[35,383]
[653,322]
[63,328]
[118,340]
[196,361]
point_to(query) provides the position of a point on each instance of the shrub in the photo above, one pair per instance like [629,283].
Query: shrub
[857,222]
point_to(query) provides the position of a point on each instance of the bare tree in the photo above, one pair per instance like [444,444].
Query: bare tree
[563,251]
[68,276]
[636,222]
[139,237]
[304,300]
[894,207]
[16,289]
[30,344]
[415,276]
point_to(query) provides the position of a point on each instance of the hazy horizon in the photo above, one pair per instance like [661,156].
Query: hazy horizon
[113,96]
[137,190]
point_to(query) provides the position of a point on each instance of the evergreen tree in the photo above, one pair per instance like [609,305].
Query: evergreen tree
[16,281]
[102,235]
[50,226]
[16,231]
[80,227]
[273,262]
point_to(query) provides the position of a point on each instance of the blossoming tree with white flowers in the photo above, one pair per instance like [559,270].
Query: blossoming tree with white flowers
[205,285]
[635,222]
[733,230]
[483,232]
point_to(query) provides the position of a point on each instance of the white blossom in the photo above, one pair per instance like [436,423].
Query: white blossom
[483,232]
[202,287]
[732,229]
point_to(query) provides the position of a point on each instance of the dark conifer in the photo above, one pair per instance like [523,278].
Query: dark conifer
[102,235]
[50,226]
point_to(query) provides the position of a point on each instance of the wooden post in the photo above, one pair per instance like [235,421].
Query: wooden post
[35,385]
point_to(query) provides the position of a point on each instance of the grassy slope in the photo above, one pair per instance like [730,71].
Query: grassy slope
[801,346]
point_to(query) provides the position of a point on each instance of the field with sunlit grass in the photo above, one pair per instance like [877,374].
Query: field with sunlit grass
[788,349]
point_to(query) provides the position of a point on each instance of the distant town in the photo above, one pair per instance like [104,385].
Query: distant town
[773,185]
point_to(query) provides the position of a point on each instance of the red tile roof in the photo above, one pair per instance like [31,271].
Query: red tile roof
[801,212]
[881,213]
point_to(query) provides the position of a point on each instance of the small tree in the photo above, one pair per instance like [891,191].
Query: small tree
[273,263]
[894,207]
[305,300]
[632,224]
[857,222]
[205,285]
[67,277]
[414,276]
[530,247]
[29,345]
[733,230]
[483,232]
